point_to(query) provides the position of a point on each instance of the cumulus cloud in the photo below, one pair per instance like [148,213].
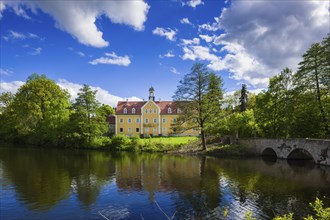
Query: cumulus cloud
[112,58]
[102,95]
[78,17]
[169,54]
[262,37]
[185,21]
[195,41]
[207,38]
[194,3]
[165,32]
[197,52]
[10,86]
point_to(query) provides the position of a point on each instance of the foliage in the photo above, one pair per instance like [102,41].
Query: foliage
[321,213]
[243,99]
[198,95]
[37,114]
[284,217]
[231,150]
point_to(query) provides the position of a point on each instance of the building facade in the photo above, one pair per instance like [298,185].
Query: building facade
[144,118]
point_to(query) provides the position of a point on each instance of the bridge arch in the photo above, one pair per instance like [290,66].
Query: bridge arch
[268,152]
[300,154]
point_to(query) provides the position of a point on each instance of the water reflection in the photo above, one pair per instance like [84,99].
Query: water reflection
[191,187]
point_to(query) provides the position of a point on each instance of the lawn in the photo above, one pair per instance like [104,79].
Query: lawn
[169,140]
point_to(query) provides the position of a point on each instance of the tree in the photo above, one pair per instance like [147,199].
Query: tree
[243,99]
[5,99]
[89,117]
[311,76]
[37,114]
[198,95]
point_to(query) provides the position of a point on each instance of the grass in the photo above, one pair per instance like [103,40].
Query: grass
[169,140]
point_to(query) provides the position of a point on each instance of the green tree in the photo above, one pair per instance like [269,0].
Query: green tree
[5,99]
[243,98]
[89,117]
[198,95]
[37,114]
[311,77]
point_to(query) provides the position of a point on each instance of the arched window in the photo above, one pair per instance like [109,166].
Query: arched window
[169,110]
[125,110]
[133,110]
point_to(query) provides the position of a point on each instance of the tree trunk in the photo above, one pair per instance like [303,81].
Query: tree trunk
[203,139]
[324,119]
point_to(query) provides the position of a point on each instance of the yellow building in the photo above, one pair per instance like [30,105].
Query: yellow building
[145,118]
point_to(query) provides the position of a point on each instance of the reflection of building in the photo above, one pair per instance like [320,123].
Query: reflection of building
[146,117]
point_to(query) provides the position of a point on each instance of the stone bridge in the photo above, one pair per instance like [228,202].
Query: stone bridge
[295,149]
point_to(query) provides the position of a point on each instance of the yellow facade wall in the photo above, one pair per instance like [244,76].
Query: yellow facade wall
[150,122]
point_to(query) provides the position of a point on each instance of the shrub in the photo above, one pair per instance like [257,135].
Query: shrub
[120,142]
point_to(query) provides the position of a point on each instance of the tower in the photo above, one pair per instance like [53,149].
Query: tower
[151,93]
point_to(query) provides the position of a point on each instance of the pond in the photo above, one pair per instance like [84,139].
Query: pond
[80,184]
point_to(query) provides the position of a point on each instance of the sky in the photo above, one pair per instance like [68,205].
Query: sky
[121,48]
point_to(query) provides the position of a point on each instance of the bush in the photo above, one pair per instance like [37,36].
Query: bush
[120,142]
[99,142]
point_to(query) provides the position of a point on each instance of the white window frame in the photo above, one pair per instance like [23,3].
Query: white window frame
[129,120]
[155,111]
[133,110]
[147,120]
[155,120]
[169,110]
[137,120]
[129,130]
[155,129]
[146,111]
[125,110]
[121,120]
[164,129]
[164,120]
[146,129]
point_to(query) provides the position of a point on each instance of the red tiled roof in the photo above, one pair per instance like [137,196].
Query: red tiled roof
[111,119]
[129,105]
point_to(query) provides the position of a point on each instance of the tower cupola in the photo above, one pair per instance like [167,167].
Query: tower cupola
[151,93]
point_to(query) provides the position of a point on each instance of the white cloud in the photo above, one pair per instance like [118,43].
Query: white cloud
[262,37]
[78,17]
[207,38]
[112,58]
[5,72]
[195,41]
[174,70]
[80,53]
[36,51]
[185,21]
[194,3]
[14,35]
[10,86]
[169,54]
[193,52]
[165,32]
[2,8]
[102,95]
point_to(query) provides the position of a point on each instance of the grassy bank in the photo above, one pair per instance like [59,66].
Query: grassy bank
[135,143]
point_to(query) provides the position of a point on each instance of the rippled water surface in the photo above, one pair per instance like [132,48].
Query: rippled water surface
[67,184]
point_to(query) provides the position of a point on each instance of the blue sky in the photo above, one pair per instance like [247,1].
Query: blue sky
[121,48]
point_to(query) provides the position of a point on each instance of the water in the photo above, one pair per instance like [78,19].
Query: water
[80,184]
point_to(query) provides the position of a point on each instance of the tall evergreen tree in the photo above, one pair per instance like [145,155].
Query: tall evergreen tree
[88,120]
[243,98]
[310,77]
[198,95]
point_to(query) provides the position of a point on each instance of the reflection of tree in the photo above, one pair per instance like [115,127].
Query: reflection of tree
[43,177]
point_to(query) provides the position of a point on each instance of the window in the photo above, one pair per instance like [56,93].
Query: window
[137,129]
[146,129]
[164,120]
[129,120]
[150,110]
[147,120]
[121,120]
[150,104]
[129,130]
[164,129]
[125,110]
[137,120]
[155,129]
[169,110]
[146,111]
[121,129]
[155,111]
[133,110]
[155,120]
